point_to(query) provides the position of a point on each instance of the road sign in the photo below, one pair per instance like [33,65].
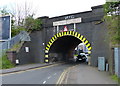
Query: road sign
[66,22]
[65,29]
[5,28]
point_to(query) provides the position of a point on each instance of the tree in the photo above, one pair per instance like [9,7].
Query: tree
[4,11]
[112,18]
[32,24]
[22,18]
[112,8]
[21,11]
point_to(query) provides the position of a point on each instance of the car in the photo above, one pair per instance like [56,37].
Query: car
[82,57]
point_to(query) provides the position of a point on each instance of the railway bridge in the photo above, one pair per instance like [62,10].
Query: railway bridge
[62,34]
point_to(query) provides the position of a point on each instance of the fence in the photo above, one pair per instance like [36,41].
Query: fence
[22,36]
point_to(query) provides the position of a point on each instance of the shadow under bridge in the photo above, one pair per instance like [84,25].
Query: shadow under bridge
[63,48]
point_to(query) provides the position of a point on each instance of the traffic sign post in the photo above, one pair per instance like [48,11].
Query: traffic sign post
[5,28]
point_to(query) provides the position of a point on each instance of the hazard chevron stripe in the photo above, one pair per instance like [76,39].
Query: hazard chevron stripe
[81,37]
[88,45]
[72,33]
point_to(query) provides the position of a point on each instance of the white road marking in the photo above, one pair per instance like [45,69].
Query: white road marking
[44,82]
[49,77]
[55,74]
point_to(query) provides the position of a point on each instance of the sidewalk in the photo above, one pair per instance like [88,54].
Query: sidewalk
[23,67]
[84,74]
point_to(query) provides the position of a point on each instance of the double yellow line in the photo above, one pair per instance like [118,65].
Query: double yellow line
[62,76]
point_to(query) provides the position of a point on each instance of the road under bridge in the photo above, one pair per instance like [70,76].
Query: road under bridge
[83,27]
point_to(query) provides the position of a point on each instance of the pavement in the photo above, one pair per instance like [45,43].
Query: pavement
[84,74]
[24,67]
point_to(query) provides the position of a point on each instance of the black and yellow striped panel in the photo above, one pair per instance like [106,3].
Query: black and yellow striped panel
[51,40]
[89,48]
[88,45]
[89,52]
[55,36]
[47,48]
[68,32]
[81,37]
[76,34]
[60,34]
[72,33]
[64,33]
[50,43]
[46,60]
[86,42]
[46,51]
[46,56]
[84,39]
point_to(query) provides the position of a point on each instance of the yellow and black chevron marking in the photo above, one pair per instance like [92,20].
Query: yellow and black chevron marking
[71,33]
[46,56]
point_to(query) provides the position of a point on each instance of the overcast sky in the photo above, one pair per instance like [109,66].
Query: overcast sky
[54,8]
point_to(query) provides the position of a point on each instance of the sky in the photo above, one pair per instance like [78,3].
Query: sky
[54,8]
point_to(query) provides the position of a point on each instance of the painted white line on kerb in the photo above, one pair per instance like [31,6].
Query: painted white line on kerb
[44,82]
[49,77]
[55,74]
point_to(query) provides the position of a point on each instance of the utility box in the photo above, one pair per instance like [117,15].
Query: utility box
[116,60]
[101,63]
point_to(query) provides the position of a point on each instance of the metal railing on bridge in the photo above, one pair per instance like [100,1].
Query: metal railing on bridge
[22,36]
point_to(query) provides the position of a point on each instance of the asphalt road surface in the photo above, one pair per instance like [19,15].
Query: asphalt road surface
[45,75]
[59,74]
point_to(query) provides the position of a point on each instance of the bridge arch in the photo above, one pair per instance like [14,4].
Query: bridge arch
[62,34]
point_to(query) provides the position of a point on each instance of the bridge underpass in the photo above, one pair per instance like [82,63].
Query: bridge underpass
[90,25]
[63,44]
[63,48]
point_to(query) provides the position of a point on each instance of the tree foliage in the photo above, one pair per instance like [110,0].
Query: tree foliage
[15,31]
[112,18]
[4,11]
[22,22]
[32,24]
[110,7]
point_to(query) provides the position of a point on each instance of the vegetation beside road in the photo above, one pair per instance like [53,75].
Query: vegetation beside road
[112,19]
[5,63]
[16,47]
[115,77]
[22,20]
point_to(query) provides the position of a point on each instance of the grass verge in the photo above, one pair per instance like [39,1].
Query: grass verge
[115,77]
[5,63]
